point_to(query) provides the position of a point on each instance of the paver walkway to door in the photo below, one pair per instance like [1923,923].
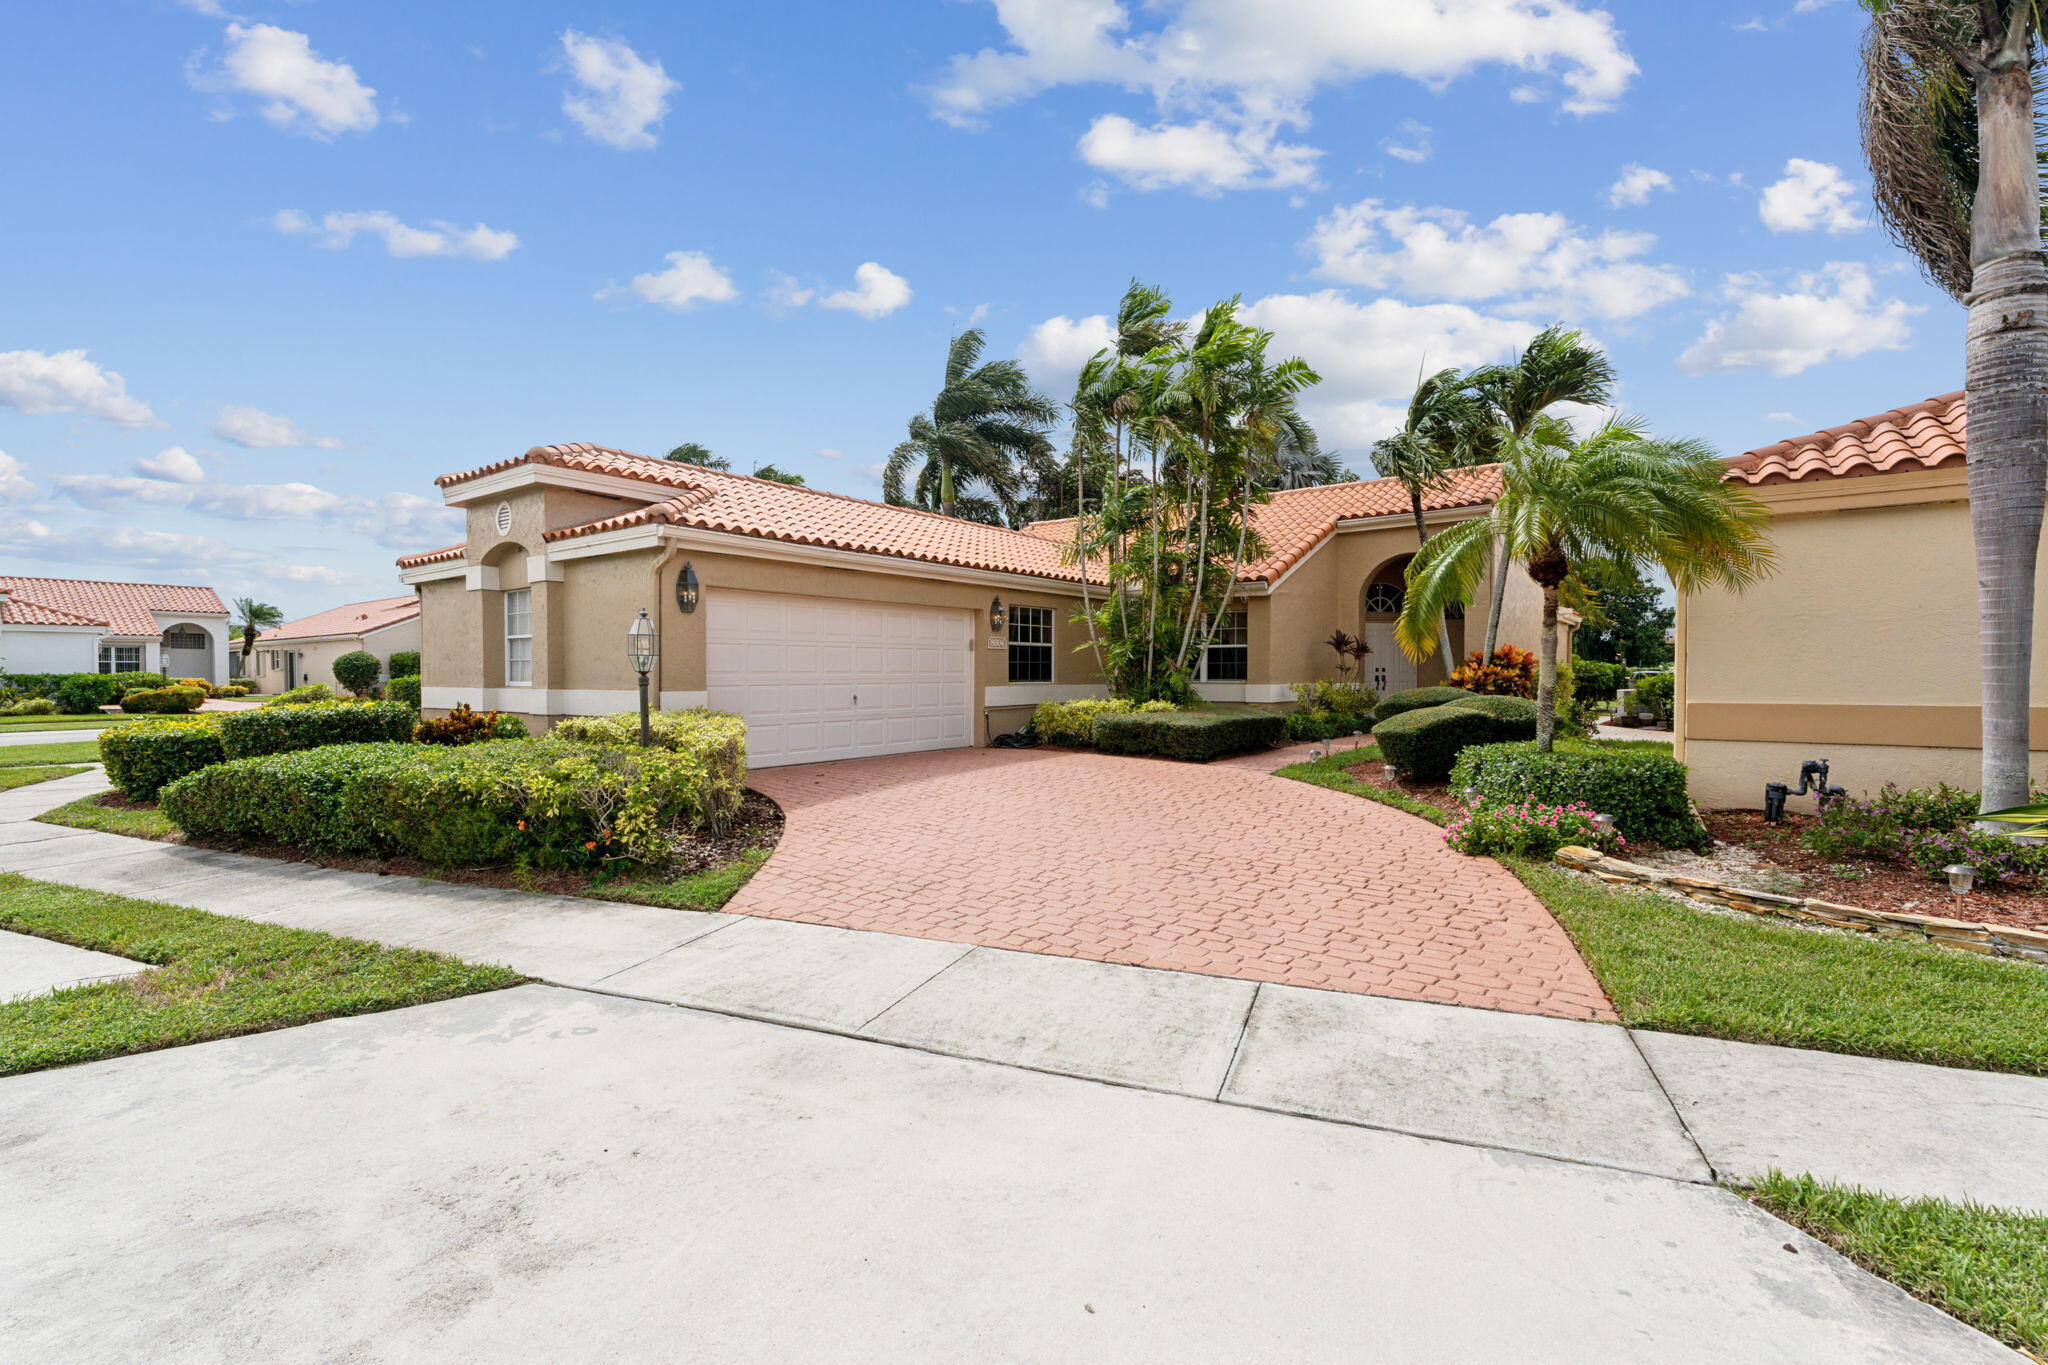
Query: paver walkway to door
[1217,869]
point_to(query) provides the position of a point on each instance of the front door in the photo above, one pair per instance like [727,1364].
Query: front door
[1387,669]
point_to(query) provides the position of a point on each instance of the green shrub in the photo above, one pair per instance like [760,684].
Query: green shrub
[1644,791]
[292,799]
[405,663]
[1654,694]
[82,693]
[1337,698]
[1423,743]
[299,696]
[1073,722]
[1190,736]
[235,691]
[358,671]
[466,726]
[715,743]
[405,690]
[33,706]
[283,729]
[1415,699]
[1597,681]
[1324,724]
[163,700]
[1528,829]
[1513,717]
[143,757]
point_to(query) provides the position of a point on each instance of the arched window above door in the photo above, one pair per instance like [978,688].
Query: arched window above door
[1383,599]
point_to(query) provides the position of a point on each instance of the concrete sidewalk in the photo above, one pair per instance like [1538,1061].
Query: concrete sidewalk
[543,1174]
[1684,1109]
[11,736]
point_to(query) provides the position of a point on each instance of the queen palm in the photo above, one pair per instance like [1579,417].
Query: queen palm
[985,418]
[253,618]
[1557,366]
[1619,497]
[1446,426]
[1951,128]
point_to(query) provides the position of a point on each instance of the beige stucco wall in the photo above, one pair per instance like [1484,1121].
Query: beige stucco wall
[1861,648]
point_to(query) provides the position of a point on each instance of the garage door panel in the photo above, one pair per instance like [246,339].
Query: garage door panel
[818,679]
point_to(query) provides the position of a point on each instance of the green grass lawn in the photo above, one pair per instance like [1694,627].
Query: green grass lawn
[1333,770]
[1988,1267]
[1668,966]
[706,890]
[101,812]
[8,723]
[214,977]
[42,755]
[26,777]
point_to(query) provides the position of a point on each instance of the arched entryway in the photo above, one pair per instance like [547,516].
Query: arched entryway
[1387,668]
[188,652]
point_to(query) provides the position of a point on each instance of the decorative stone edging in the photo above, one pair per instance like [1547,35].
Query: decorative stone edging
[1992,940]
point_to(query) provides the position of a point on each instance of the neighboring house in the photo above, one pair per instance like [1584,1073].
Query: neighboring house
[842,628]
[304,651]
[1861,648]
[71,625]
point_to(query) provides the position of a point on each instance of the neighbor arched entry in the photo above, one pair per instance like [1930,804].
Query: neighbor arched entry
[1387,669]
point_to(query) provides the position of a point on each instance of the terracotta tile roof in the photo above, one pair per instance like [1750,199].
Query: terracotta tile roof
[1923,435]
[446,552]
[353,619]
[1292,524]
[15,612]
[124,607]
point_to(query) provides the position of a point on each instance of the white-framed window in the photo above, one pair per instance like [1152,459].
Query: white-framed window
[1228,657]
[1030,644]
[120,658]
[519,637]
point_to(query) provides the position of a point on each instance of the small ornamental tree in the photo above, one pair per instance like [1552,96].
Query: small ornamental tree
[358,671]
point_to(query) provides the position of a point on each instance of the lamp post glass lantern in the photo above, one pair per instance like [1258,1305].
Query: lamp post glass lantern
[640,649]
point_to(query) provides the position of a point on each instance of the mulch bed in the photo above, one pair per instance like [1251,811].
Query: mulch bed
[759,825]
[1374,773]
[1869,883]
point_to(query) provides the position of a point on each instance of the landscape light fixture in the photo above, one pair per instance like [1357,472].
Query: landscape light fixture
[1603,823]
[995,615]
[686,590]
[1961,877]
[640,653]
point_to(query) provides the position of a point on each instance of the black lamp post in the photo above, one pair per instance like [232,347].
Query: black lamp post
[640,651]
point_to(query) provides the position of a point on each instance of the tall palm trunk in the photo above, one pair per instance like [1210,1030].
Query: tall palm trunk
[2006,357]
[1499,590]
[947,502]
[1546,672]
[1443,626]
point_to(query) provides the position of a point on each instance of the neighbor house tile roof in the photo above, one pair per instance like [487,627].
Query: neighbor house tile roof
[123,607]
[356,618]
[1291,525]
[14,612]
[1923,435]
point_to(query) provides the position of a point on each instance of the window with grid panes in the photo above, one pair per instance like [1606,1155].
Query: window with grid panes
[1030,644]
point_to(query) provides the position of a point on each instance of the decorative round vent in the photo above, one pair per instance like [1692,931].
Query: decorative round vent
[504,518]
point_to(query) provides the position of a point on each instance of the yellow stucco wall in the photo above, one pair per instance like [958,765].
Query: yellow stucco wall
[1861,648]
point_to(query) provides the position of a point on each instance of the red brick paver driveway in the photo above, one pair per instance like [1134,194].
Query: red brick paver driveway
[1221,869]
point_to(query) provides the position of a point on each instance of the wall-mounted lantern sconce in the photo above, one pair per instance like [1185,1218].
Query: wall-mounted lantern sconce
[995,616]
[687,590]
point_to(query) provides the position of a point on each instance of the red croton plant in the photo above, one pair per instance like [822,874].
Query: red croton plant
[1511,672]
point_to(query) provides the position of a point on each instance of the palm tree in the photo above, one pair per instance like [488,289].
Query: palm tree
[1951,129]
[1301,462]
[254,618]
[1557,366]
[1446,426]
[689,452]
[774,475]
[1619,497]
[985,418]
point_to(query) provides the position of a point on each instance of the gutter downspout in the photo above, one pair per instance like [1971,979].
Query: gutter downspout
[661,563]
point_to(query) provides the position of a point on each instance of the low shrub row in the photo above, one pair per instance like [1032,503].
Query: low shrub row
[300,695]
[1415,699]
[530,803]
[1644,791]
[1190,736]
[1326,709]
[1073,722]
[1928,828]
[177,699]
[79,694]
[144,757]
[1423,742]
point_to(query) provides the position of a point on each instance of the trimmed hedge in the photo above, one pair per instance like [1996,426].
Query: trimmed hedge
[528,803]
[1190,736]
[405,690]
[714,741]
[299,696]
[32,706]
[358,671]
[1423,743]
[405,663]
[1513,717]
[145,756]
[1644,791]
[79,693]
[172,700]
[1073,722]
[1415,699]
[1597,681]
[283,729]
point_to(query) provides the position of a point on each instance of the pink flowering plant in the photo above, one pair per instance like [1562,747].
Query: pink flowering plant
[1529,828]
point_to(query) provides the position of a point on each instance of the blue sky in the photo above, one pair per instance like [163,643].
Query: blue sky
[316,253]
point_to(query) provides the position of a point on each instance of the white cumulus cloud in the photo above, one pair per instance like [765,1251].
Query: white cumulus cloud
[37,383]
[297,89]
[1534,262]
[1635,185]
[15,485]
[688,279]
[1054,351]
[616,96]
[877,291]
[1412,142]
[399,520]
[255,429]
[1833,313]
[1203,156]
[234,567]
[1810,195]
[337,230]
[174,463]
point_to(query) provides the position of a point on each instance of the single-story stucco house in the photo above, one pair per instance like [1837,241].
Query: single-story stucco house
[304,651]
[1862,647]
[73,625]
[843,628]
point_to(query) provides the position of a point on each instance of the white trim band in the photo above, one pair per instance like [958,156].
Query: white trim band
[1030,694]
[554,701]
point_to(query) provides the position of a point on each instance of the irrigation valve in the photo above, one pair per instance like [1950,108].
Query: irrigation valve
[1813,778]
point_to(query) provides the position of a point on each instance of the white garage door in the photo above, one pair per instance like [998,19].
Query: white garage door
[818,679]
